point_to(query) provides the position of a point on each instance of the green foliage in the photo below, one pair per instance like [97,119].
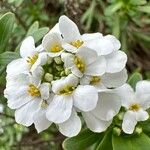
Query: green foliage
[82,141]
[6,27]
[134,78]
[140,142]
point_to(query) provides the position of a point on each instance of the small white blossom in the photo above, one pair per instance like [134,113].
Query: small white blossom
[136,104]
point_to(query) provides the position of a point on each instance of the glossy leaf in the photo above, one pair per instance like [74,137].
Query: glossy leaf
[7,57]
[106,143]
[82,141]
[134,78]
[6,27]
[139,142]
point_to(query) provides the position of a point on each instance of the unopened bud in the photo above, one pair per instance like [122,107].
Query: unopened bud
[50,70]
[120,115]
[49,60]
[62,73]
[48,77]
[67,71]
[59,68]
[58,60]
[138,130]
[116,131]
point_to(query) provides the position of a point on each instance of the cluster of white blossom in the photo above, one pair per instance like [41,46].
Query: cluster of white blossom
[71,74]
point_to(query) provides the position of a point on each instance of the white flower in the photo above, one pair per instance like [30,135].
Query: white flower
[71,35]
[108,105]
[68,94]
[109,46]
[136,104]
[25,94]
[85,62]
[107,80]
[30,60]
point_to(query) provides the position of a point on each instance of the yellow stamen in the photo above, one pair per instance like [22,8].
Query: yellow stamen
[77,43]
[33,90]
[31,60]
[134,107]
[94,80]
[56,48]
[67,90]
[79,64]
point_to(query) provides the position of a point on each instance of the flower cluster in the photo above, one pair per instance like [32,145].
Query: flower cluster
[71,74]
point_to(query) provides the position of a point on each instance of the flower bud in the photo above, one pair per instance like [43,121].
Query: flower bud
[62,73]
[58,60]
[120,115]
[67,71]
[138,130]
[48,77]
[49,60]
[116,131]
[59,68]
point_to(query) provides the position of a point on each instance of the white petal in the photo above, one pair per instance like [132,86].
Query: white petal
[127,95]
[44,90]
[59,110]
[129,122]
[94,123]
[68,29]
[24,115]
[143,93]
[40,121]
[50,40]
[142,115]
[17,66]
[87,55]
[27,47]
[116,61]
[76,71]
[108,105]
[91,36]
[114,40]
[69,48]
[102,46]
[72,126]
[85,97]
[39,48]
[96,68]
[55,29]
[112,80]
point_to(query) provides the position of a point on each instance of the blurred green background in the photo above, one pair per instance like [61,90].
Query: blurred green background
[128,20]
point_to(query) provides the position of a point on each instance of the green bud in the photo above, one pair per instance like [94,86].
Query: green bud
[116,131]
[50,70]
[49,60]
[59,68]
[62,73]
[67,71]
[48,77]
[120,115]
[56,78]
[58,60]
[138,130]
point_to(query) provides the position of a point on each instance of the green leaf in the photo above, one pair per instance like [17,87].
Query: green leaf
[82,141]
[113,8]
[38,34]
[34,27]
[145,9]
[7,57]
[134,78]
[140,142]
[6,27]
[138,2]
[106,143]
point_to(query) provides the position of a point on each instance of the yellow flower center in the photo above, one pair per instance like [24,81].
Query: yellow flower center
[56,48]
[31,60]
[134,107]
[79,64]
[94,80]
[77,43]
[67,90]
[33,90]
